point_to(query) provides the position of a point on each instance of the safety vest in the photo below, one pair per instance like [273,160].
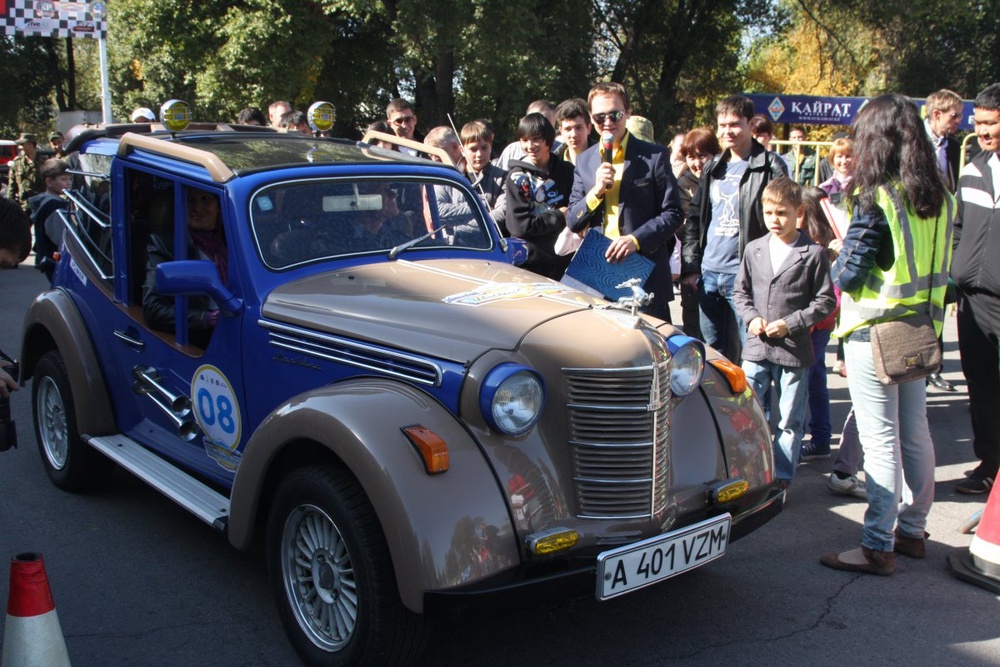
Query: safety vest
[911,285]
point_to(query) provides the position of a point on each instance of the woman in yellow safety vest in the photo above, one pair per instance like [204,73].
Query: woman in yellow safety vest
[893,264]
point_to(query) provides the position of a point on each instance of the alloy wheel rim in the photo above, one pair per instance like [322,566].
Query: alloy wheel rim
[52,423]
[319,577]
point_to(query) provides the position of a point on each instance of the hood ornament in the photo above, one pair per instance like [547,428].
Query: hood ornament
[639,298]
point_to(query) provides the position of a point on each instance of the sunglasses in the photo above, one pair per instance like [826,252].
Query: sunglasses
[614,117]
[404,120]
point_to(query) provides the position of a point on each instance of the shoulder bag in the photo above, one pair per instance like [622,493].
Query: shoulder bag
[907,349]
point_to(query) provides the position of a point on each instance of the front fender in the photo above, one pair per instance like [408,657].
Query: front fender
[53,322]
[443,530]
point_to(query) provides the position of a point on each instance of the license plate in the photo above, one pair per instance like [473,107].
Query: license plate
[634,566]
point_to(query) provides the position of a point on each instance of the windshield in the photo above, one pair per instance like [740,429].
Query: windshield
[307,221]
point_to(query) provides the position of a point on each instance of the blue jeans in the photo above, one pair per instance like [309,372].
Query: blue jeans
[899,454]
[819,395]
[791,386]
[715,298]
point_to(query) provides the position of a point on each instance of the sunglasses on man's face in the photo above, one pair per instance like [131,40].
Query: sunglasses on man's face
[403,120]
[614,117]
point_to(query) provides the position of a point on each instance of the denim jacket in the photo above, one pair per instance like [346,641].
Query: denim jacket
[863,248]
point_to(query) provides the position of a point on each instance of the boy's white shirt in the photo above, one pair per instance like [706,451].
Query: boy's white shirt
[779,250]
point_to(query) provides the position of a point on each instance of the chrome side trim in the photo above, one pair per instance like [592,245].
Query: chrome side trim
[350,352]
[190,493]
[71,229]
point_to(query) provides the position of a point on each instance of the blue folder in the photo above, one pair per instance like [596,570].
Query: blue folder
[590,272]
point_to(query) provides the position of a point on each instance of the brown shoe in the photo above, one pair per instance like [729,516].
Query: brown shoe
[913,547]
[864,560]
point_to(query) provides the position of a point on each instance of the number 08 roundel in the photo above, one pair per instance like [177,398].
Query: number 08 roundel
[216,407]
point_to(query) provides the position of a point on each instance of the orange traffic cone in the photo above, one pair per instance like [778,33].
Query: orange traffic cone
[32,636]
[981,565]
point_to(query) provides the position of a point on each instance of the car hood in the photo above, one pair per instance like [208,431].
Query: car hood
[448,308]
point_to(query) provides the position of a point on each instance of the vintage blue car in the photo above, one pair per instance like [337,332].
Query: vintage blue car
[330,342]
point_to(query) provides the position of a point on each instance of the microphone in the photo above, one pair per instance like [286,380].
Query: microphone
[607,140]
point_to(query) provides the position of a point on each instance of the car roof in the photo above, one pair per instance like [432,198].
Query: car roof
[228,151]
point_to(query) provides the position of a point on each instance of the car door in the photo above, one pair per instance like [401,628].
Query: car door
[181,354]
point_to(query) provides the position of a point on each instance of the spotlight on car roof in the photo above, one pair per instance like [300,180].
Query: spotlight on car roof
[175,115]
[321,116]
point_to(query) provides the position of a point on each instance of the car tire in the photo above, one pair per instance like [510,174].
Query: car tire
[71,464]
[348,614]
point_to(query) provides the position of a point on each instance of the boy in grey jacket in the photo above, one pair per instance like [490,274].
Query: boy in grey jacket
[782,289]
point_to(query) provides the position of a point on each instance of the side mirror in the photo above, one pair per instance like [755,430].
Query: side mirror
[195,277]
[517,251]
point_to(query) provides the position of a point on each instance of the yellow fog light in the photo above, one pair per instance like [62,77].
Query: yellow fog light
[725,492]
[321,116]
[175,115]
[551,541]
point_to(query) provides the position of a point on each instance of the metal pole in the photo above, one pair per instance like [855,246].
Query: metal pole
[105,87]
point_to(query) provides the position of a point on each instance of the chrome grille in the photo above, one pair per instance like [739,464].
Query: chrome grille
[619,425]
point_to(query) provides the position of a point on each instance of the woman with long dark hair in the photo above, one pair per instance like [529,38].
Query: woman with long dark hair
[893,264]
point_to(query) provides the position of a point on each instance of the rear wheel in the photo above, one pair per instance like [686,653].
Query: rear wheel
[332,576]
[70,463]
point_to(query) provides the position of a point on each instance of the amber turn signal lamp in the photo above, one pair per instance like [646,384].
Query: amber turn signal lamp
[734,375]
[432,449]
[729,491]
[552,541]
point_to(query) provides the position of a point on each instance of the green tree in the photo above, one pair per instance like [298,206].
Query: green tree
[677,57]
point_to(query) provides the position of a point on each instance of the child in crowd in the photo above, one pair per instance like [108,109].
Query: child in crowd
[815,225]
[48,233]
[783,288]
[487,178]
[841,157]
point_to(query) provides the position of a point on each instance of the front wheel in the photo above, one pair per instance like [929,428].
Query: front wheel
[70,463]
[332,576]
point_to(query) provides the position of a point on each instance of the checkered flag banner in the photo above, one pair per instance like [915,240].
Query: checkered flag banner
[50,18]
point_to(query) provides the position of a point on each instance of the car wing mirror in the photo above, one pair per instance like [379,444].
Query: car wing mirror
[517,251]
[195,277]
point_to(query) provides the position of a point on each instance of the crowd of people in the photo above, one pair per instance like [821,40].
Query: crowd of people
[780,253]
[768,266]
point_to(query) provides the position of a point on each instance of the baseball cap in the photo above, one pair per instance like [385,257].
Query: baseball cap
[143,115]
[55,135]
[26,137]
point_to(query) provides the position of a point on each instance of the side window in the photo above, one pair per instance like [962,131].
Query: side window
[180,222]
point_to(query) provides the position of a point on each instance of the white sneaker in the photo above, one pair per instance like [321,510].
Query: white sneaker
[852,486]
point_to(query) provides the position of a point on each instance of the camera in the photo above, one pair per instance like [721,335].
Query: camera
[8,430]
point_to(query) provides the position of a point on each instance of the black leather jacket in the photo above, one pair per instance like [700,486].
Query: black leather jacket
[158,310]
[762,168]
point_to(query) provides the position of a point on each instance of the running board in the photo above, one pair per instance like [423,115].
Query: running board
[190,493]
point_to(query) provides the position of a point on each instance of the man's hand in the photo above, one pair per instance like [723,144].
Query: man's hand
[7,384]
[757,326]
[690,281]
[619,249]
[604,179]
[776,329]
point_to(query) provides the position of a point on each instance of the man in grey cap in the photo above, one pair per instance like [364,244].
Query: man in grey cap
[24,180]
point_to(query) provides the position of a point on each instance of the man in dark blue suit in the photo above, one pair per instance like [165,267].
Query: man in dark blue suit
[631,197]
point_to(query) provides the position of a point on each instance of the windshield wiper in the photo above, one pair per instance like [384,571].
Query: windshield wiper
[412,242]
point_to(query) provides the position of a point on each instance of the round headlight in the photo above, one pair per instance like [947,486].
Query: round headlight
[687,365]
[512,399]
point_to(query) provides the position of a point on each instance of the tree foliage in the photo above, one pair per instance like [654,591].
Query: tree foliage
[489,58]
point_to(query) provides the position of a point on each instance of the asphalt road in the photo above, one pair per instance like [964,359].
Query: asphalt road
[137,581]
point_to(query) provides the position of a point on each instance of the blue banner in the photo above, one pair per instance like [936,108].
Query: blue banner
[822,110]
